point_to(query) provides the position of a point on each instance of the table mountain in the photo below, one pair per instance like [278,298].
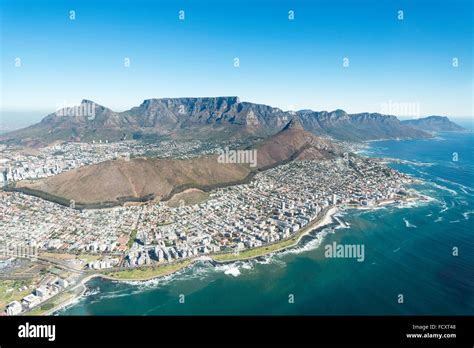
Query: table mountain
[204,117]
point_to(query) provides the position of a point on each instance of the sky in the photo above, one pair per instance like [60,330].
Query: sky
[49,60]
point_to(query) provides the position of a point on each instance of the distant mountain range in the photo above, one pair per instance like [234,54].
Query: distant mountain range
[114,182]
[208,117]
[434,124]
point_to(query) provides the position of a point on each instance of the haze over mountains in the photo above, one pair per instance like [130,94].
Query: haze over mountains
[113,182]
[206,117]
[434,124]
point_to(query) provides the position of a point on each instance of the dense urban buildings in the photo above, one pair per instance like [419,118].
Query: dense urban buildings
[272,207]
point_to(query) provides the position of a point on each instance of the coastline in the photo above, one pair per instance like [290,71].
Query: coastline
[323,220]
[150,273]
[85,280]
[83,284]
[320,221]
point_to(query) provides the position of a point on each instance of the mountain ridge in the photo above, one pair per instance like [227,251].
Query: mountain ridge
[434,124]
[178,116]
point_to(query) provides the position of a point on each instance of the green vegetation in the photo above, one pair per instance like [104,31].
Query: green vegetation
[164,223]
[133,237]
[188,197]
[51,303]
[9,291]
[47,306]
[145,273]
[256,252]
[88,258]
[55,271]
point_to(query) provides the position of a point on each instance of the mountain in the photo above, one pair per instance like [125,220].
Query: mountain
[434,124]
[204,118]
[357,127]
[293,142]
[114,182]
[293,125]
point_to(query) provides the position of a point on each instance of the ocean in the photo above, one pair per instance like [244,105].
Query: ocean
[408,251]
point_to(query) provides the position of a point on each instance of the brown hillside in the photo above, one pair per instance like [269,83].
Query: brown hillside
[114,182]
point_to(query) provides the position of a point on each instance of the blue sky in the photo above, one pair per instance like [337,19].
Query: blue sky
[289,64]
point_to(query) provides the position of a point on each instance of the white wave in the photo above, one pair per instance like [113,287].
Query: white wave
[428,198]
[264,260]
[396,250]
[420,171]
[439,219]
[423,164]
[232,270]
[462,187]
[247,266]
[342,227]
[341,224]
[117,292]
[444,188]
[91,292]
[444,207]
[454,221]
[312,244]
[467,214]
[412,204]
[408,224]
[163,280]
[370,209]
[71,303]
[277,260]
[125,294]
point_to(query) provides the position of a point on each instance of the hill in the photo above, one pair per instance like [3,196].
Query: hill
[434,124]
[115,182]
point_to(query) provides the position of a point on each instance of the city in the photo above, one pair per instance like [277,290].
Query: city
[275,206]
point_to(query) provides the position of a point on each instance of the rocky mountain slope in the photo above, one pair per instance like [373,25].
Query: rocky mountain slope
[190,117]
[434,124]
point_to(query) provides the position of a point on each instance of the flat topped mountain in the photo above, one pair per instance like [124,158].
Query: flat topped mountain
[114,182]
[204,117]
[434,124]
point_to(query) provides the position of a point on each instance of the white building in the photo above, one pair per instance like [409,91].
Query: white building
[62,283]
[31,300]
[14,308]
[41,291]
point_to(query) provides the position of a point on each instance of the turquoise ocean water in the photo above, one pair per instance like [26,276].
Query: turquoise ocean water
[408,251]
